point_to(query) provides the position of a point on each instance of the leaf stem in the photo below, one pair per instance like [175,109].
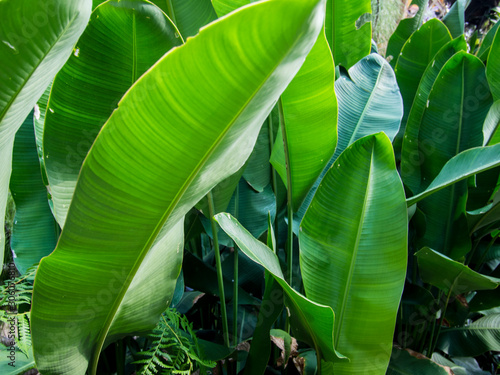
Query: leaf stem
[220,279]
[289,240]
[433,345]
[486,251]
[120,358]
[274,182]
[235,297]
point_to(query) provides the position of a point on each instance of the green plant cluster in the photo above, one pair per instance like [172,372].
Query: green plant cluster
[241,187]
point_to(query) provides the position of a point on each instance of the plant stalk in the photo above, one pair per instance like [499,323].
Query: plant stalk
[274,182]
[433,345]
[486,251]
[120,357]
[289,240]
[235,297]
[220,279]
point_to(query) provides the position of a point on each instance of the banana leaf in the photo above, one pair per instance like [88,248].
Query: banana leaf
[472,340]
[311,322]
[455,18]
[493,70]
[188,15]
[403,362]
[491,125]
[369,102]
[36,40]
[307,141]
[348,30]
[460,167]
[405,29]
[416,54]
[356,222]
[450,125]
[182,128]
[450,275]
[35,232]
[410,156]
[87,89]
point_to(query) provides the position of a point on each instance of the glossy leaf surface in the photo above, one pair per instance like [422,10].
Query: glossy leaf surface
[465,164]
[493,70]
[311,322]
[449,126]
[491,125]
[223,7]
[403,363]
[418,51]
[188,15]
[410,154]
[89,86]
[405,29]
[345,238]
[36,40]
[445,273]
[34,233]
[455,18]
[189,125]
[369,102]
[310,115]
[481,336]
[348,30]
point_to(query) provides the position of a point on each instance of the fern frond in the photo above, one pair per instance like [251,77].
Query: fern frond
[174,348]
[24,334]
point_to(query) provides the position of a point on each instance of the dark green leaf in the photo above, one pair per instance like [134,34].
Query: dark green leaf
[448,274]
[34,233]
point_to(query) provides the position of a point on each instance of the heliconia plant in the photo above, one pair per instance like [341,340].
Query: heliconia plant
[243,187]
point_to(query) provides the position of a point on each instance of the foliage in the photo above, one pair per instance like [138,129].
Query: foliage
[174,347]
[260,170]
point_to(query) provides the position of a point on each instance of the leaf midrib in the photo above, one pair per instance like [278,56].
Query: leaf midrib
[354,255]
[112,314]
[373,93]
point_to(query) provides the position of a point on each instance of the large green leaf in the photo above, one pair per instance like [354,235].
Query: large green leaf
[87,89]
[310,115]
[448,274]
[416,54]
[481,336]
[404,30]
[182,128]
[223,7]
[347,32]
[465,164]
[404,363]
[493,71]
[450,125]
[356,223]
[36,40]
[188,15]
[34,233]
[369,102]
[491,127]
[484,50]
[455,18]
[311,322]
[410,160]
